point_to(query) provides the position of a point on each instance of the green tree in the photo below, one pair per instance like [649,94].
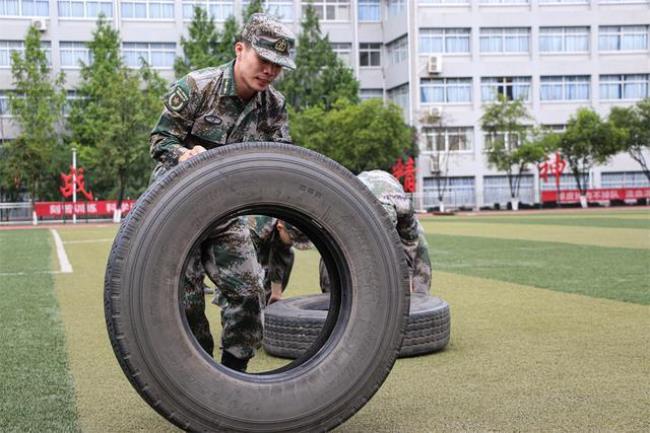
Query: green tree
[254,6]
[200,49]
[111,121]
[588,140]
[511,143]
[206,46]
[320,78]
[364,136]
[636,121]
[36,105]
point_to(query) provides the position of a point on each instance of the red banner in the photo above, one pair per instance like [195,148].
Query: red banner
[601,194]
[81,208]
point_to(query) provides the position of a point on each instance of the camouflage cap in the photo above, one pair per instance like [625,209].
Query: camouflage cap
[270,39]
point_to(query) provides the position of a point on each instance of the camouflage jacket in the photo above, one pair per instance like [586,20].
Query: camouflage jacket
[203,108]
[391,195]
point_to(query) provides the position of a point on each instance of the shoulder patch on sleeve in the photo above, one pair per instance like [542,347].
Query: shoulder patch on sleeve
[177,98]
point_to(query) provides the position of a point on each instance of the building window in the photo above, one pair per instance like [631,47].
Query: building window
[343,52]
[330,10]
[565,88]
[457,139]
[365,94]
[85,8]
[157,55]
[396,7]
[281,9]
[505,40]
[445,90]
[510,140]
[70,98]
[624,179]
[444,2]
[8,47]
[398,50]
[564,39]
[621,1]
[400,96]
[459,191]
[152,9]
[496,189]
[369,10]
[563,1]
[504,2]
[73,53]
[623,38]
[25,8]
[369,55]
[219,10]
[510,87]
[452,40]
[567,181]
[632,87]
[4,103]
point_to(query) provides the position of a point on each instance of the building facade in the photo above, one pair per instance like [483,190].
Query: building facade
[439,59]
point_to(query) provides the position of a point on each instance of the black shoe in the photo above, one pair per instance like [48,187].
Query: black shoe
[231,361]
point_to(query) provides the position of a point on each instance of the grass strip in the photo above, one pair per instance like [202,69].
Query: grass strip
[36,386]
[612,222]
[613,273]
[580,235]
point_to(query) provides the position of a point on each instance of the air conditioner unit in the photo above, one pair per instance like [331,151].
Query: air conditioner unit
[434,164]
[434,65]
[39,24]
[435,111]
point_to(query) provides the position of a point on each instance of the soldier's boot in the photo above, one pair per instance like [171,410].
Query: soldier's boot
[231,361]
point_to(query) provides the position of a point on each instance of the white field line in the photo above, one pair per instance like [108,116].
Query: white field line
[13,274]
[64,263]
[88,241]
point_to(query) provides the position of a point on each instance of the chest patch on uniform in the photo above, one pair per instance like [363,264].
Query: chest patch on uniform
[214,120]
[177,99]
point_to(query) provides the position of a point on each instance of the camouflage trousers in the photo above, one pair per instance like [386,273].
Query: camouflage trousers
[228,258]
[419,269]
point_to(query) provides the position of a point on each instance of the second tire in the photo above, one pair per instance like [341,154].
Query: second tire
[292,325]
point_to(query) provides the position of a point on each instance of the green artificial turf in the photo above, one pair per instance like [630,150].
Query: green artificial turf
[612,222]
[614,273]
[521,358]
[36,386]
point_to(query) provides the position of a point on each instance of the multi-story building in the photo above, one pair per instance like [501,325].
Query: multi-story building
[435,58]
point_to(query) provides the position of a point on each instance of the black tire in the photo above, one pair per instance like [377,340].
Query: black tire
[364,327]
[292,325]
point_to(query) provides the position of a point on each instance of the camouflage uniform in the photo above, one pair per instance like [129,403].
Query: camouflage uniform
[275,257]
[203,108]
[391,195]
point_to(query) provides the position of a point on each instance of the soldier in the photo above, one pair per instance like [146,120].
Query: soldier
[210,108]
[400,210]
[391,195]
[274,239]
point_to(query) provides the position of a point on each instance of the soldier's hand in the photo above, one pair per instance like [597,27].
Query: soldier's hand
[274,298]
[276,292]
[191,152]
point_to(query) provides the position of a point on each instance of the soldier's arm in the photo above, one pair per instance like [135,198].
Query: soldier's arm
[175,122]
[407,228]
[421,265]
[281,127]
